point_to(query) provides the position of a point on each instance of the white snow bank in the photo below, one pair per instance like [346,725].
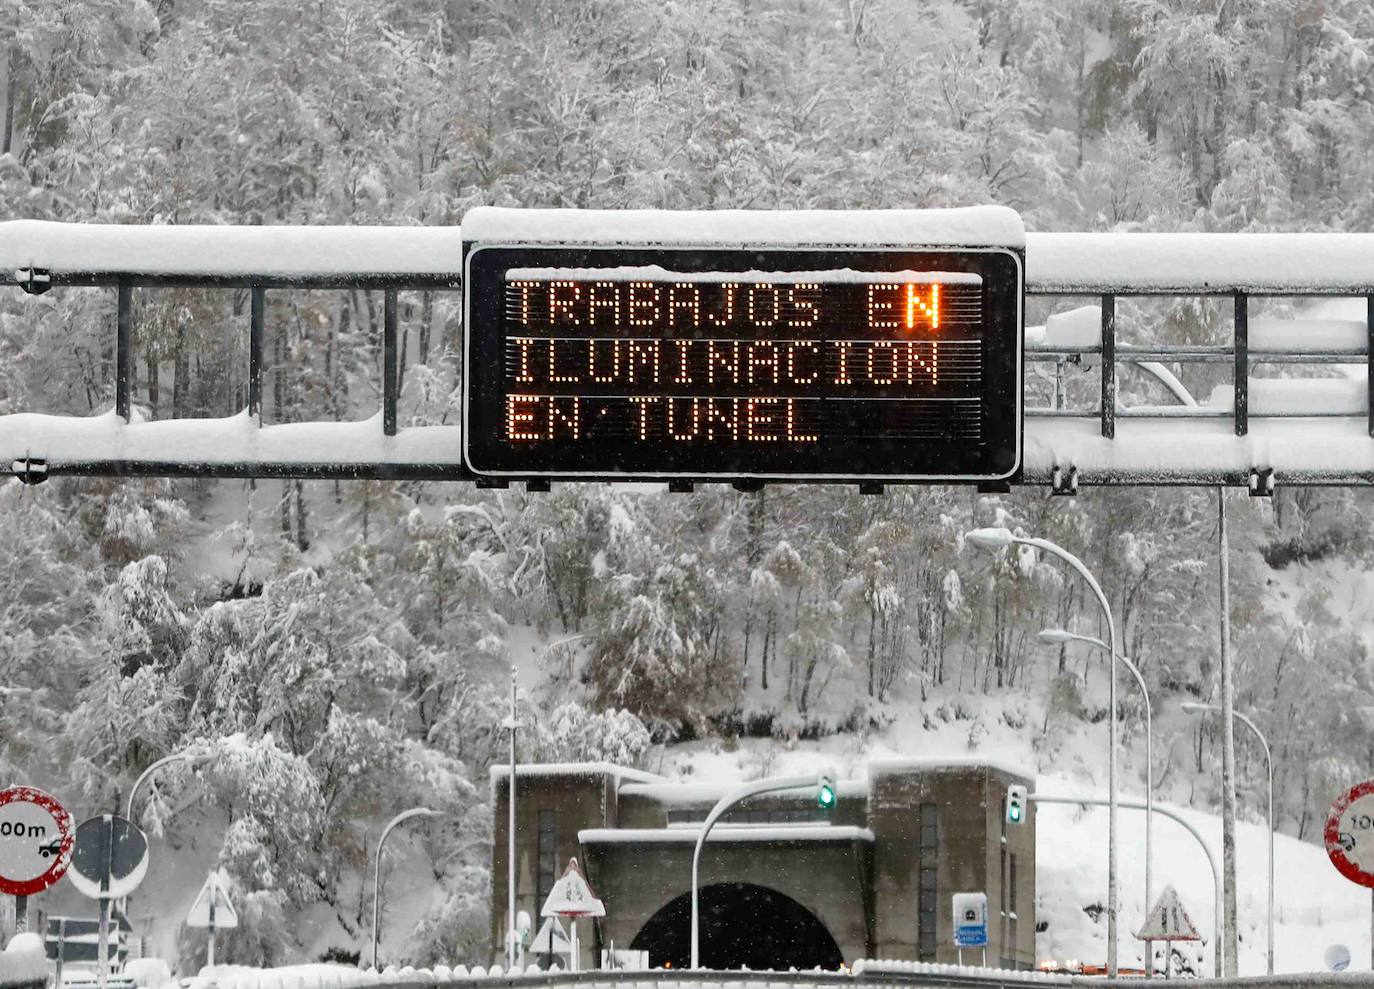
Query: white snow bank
[688,836]
[237,439]
[285,251]
[1161,449]
[1074,329]
[148,973]
[973,226]
[1341,336]
[1209,262]
[1297,397]
[871,966]
[24,962]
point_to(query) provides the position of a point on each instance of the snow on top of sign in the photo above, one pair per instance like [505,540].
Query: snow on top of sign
[288,251]
[1217,262]
[972,226]
[828,276]
[501,771]
[687,836]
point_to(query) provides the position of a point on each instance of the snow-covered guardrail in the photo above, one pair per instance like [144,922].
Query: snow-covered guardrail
[868,972]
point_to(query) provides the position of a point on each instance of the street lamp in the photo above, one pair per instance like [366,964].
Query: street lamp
[1193,707]
[404,815]
[187,756]
[825,798]
[1001,538]
[1058,636]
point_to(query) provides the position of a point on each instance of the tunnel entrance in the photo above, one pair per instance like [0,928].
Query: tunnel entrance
[742,925]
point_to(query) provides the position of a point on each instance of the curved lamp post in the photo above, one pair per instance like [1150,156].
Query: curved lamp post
[742,792]
[1192,707]
[1058,636]
[1001,538]
[190,756]
[404,815]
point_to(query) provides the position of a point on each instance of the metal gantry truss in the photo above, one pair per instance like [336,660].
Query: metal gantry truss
[1064,448]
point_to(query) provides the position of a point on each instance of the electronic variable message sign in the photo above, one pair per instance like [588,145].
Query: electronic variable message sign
[773,362]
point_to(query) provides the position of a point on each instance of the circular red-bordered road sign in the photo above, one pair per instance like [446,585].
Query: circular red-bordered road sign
[1350,834]
[36,836]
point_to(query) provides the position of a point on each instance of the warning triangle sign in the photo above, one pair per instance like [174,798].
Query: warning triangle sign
[212,907]
[551,939]
[572,896]
[1168,921]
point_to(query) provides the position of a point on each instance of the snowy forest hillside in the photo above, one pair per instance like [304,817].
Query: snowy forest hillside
[335,652]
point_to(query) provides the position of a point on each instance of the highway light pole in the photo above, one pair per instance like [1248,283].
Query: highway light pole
[1193,707]
[825,795]
[1057,636]
[404,815]
[1001,538]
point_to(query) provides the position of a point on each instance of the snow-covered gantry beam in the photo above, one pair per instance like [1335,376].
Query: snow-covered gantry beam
[322,257]
[1200,263]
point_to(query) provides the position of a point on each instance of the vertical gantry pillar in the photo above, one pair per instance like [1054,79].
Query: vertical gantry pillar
[124,331]
[389,374]
[1369,359]
[1109,366]
[1242,372]
[255,327]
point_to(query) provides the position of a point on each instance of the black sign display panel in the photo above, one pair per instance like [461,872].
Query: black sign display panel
[788,364]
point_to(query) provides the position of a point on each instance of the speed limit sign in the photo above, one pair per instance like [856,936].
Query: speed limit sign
[1350,834]
[35,840]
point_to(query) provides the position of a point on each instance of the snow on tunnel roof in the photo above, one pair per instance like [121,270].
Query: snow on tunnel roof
[500,771]
[934,764]
[970,226]
[688,836]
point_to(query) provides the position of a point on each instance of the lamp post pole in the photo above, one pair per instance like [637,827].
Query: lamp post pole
[1058,636]
[512,724]
[741,792]
[1196,708]
[404,815]
[1001,538]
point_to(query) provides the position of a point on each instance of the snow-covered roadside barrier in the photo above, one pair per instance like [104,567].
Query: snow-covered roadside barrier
[23,962]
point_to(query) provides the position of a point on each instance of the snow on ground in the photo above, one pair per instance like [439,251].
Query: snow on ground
[23,960]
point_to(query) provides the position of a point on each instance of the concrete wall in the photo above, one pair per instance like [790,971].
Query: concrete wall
[969,811]
[578,802]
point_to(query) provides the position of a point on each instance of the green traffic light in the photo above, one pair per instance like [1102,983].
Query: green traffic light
[825,796]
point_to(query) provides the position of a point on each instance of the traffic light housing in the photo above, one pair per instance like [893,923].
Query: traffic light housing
[1016,804]
[825,793]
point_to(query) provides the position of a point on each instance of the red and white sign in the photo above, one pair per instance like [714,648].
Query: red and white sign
[1350,834]
[36,835]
